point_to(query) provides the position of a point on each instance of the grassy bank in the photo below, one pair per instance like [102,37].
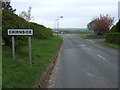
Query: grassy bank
[17,73]
[0,68]
[110,45]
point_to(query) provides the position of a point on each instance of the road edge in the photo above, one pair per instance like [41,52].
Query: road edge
[44,81]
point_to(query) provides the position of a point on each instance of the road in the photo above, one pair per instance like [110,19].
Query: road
[84,64]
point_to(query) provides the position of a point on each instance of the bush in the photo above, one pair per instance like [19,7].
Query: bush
[11,20]
[118,26]
[40,31]
[113,38]
[115,28]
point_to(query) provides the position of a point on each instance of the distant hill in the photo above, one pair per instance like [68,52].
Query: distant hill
[71,29]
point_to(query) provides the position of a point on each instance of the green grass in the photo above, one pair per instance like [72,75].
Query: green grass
[84,35]
[110,45]
[0,68]
[0,11]
[17,73]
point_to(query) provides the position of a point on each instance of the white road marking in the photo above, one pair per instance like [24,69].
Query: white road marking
[89,74]
[103,58]
[82,45]
[69,35]
[90,40]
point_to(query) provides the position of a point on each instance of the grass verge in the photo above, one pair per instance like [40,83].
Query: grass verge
[110,45]
[0,68]
[17,73]
[84,35]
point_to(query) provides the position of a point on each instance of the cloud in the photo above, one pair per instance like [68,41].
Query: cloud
[77,13]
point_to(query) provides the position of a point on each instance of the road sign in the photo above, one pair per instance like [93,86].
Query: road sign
[20,32]
[27,32]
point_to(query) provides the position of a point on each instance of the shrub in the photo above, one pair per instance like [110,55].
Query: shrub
[11,20]
[113,29]
[118,26]
[113,38]
[40,31]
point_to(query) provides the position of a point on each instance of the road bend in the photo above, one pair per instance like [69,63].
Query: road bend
[84,64]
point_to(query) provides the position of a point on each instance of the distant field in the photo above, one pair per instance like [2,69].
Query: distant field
[84,35]
[73,30]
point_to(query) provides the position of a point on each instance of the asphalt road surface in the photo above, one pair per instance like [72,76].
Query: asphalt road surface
[84,64]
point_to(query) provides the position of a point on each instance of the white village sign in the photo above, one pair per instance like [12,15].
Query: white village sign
[20,32]
[25,32]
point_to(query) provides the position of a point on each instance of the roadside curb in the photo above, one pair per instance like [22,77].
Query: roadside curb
[44,81]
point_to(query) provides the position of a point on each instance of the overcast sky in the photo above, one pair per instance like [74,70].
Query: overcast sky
[76,13]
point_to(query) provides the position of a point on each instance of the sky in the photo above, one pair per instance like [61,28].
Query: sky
[76,13]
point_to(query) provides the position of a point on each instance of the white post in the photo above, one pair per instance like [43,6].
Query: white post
[30,52]
[13,47]
[58,25]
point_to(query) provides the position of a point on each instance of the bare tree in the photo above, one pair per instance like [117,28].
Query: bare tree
[26,14]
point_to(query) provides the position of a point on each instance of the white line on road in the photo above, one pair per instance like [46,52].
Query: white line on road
[90,40]
[82,45]
[70,35]
[103,58]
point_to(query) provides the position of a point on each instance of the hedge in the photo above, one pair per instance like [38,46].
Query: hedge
[40,31]
[11,20]
[113,38]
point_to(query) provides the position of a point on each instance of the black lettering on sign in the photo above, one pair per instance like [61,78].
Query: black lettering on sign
[20,32]
[26,32]
[23,32]
[10,32]
[29,32]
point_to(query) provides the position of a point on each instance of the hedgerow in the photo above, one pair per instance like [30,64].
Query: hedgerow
[113,36]
[11,20]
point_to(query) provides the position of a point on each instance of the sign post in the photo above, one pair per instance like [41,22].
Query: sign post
[13,47]
[30,52]
[25,32]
